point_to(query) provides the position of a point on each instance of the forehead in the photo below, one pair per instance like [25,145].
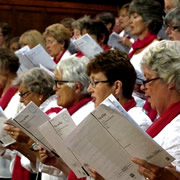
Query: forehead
[22,87]
[49,37]
[97,75]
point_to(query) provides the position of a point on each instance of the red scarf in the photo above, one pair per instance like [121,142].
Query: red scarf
[130,104]
[72,109]
[152,113]
[142,43]
[59,58]
[166,117]
[19,172]
[4,100]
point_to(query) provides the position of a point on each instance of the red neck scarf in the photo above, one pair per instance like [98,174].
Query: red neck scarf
[72,109]
[19,172]
[152,113]
[166,117]
[142,43]
[7,97]
[59,58]
[130,104]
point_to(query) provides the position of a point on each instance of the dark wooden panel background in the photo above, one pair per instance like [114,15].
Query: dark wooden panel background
[23,15]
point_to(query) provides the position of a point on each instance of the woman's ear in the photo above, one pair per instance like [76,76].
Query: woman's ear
[171,85]
[117,88]
[78,87]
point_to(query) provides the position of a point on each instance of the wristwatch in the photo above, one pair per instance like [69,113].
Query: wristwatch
[34,146]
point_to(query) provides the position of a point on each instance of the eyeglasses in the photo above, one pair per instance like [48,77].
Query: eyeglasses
[59,82]
[49,42]
[172,28]
[25,94]
[144,82]
[94,83]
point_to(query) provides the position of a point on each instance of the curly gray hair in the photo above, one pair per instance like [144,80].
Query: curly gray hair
[164,60]
[36,80]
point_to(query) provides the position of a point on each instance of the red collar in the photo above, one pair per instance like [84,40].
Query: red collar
[142,43]
[166,117]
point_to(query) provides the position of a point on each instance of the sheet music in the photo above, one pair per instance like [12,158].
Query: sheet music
[5,139]
[38,55]
[88,46]
[113,42]
[107,141]
[28,120]
[55,131]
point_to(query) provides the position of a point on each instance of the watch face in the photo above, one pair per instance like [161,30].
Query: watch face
[35,146]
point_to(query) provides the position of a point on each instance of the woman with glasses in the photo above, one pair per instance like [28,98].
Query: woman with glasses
[172,23]
[71,82]
[35,85]
[111,72]
[161,68]
[57,40]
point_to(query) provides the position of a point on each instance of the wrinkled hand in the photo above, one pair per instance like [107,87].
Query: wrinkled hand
[16,133]
[153,172]
[94,174]
[46,157]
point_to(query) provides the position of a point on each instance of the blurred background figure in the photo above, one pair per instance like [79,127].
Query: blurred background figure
[13,44]
[172,24]
[9,64]
[127,38]
[5,34]
[57,40]
[77,26]
[67,23]
[171,4]
[98,31]
[117,27]
[32,38]
[108,19]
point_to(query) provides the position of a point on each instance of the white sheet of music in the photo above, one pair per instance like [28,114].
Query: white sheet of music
[38,55]
[28,120]
[5,139]
[88,46]
[55,131]
[107,141]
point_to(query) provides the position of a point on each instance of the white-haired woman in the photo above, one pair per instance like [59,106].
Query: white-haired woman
[161,68]
[71,90]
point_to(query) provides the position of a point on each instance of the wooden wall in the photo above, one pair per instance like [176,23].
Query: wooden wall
[23,15]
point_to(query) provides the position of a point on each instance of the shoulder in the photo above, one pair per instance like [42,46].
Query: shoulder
[140,117]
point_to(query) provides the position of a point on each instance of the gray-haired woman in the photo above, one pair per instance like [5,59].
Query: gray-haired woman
[35,85]
[172,22]
[161,68]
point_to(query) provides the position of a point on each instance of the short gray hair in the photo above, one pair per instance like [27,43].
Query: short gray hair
[164,60]
[151,12]
[36,80]
[173,17]
[74,69]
